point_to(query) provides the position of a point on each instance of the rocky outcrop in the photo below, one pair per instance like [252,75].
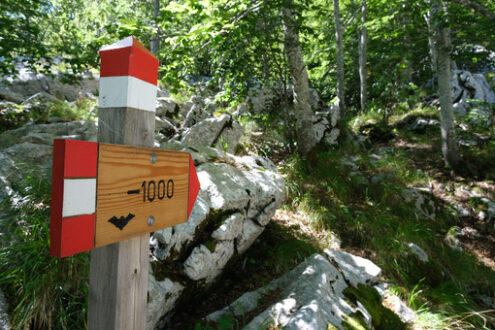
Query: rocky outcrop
[28,84]
[223,133]
[472,97]
[238,197]
[323,292]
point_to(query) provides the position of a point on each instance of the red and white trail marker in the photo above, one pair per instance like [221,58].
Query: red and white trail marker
[128,76]
[106,193]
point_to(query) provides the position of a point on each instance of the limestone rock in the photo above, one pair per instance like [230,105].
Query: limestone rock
[309,297]
[175,239]
[162,296]
[206,264]
[418,252]
[355,269]
[223,132]
[166,107]
[422,199]
[165,127]
[250,231]
[230,229]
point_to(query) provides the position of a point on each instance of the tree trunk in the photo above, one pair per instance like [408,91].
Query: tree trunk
[340,57]
[362,57]
[443,47]
[303,113]
[431,39]
[155,40]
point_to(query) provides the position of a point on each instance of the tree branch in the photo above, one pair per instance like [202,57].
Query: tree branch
[477,7]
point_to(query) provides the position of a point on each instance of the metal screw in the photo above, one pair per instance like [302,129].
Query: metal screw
[153,158]
[151,221]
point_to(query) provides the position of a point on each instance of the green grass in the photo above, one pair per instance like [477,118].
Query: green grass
[43,292]
[372,215]
[40,111]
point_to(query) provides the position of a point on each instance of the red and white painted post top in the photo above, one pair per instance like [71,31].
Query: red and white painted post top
[105,193]
[128,76]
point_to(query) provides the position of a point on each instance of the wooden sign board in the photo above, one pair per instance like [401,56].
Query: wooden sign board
[105,193]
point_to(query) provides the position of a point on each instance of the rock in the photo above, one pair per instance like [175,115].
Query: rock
[196,114]
[314,295]
[417,124]
[165,127]
[31,84]
[8,95]
[309,297]
[238,197]
[230,229]
[223,132]
[472,97]
[4,316]
[324,128]
[355,269]
[206,263]
[162,297]
[417,251]
[250,231]
[186,106]
[178,238]
[166,107]
[422,199]
[405,313]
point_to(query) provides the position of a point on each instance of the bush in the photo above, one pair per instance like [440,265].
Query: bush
[44,292]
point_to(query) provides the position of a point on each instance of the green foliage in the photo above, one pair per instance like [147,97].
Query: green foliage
[360,197]
[44,292]
[21,34]
[13,116]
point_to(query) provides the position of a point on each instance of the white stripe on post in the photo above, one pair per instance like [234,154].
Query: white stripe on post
[127,91]
[79,197]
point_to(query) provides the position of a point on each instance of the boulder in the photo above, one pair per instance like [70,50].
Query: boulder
[356,270]
[223,132]
[472,96]
[196,114]
[314,295]
[324,126]
[166,107]
[29,84]
[422,199]
[238,197]
[165,127]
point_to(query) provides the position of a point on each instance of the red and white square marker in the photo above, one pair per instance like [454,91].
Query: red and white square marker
[73,206]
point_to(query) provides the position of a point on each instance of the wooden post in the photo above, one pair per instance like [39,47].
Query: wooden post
[119,272]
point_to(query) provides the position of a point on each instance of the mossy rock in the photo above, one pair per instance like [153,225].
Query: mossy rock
[382,317]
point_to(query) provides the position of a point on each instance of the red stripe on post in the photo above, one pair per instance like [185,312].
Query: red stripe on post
[194,186]
[81,159]
[129,61]
[77,235]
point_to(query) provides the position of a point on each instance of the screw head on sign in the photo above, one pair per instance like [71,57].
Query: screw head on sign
[151,221]
[153,158]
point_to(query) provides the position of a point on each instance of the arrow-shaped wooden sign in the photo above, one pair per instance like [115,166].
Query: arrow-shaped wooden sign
[105,193]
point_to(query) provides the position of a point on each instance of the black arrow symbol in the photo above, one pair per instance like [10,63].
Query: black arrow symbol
[122,221]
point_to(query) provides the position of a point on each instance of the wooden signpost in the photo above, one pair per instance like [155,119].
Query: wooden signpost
[108,196]
[105,193]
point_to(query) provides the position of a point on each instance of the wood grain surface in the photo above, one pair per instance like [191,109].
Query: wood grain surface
[130,184]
